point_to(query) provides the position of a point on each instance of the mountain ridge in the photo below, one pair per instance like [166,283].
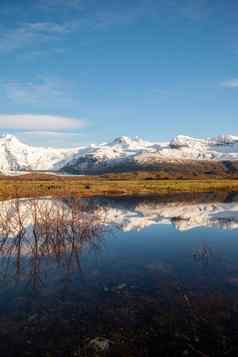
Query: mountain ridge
[121,154]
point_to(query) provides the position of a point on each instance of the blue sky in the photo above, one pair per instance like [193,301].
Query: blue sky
[75,72]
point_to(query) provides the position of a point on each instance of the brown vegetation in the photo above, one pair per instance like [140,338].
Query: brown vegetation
[138,183]
[38,229]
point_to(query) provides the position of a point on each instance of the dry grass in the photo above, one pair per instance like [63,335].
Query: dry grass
[35,185]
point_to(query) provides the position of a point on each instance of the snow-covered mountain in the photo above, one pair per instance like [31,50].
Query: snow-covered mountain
[123,152]
[16,156]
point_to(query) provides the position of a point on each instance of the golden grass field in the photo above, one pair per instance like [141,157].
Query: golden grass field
[33,185]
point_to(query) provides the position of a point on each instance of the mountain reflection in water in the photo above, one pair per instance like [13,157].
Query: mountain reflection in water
[32,230]
[139,214]
[123,272]
[37,232]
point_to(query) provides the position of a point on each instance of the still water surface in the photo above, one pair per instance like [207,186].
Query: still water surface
[152,276]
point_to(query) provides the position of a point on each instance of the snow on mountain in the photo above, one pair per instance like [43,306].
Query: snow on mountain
[17,156]
[130,144]
[182,215]
[187,148]
[135,217]
[106,155]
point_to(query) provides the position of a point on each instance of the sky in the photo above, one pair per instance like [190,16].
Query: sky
[76,72]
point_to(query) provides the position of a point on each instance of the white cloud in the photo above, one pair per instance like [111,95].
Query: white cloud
[31,33]
[47,27]
[80,16]
[232,83]
[31,122]
[38,91]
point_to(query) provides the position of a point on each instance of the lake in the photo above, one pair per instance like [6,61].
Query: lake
[150,276]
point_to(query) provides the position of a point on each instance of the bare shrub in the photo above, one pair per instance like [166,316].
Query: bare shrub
[32,230]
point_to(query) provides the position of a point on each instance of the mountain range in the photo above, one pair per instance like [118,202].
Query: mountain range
[123,154]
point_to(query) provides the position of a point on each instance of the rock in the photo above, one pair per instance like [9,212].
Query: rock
[99,347]
[32,318]
[121,287]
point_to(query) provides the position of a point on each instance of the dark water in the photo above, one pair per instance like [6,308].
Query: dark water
[159,277]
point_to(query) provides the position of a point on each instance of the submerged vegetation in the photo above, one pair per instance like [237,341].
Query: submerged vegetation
[32,230]
[138,183]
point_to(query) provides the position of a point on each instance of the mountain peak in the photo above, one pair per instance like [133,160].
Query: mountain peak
[226,139]
[122,140]
[186,141]
[9,137]
[129,142]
